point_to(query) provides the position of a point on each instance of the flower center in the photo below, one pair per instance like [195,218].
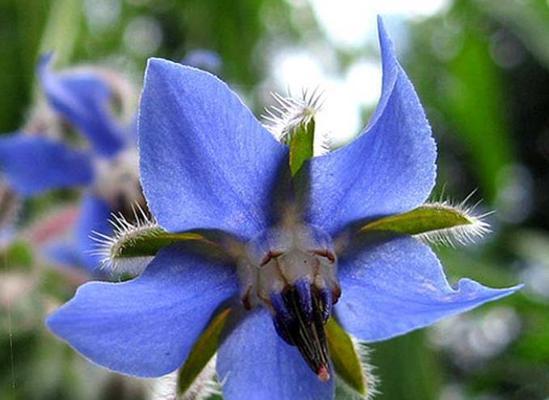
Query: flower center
[292,271]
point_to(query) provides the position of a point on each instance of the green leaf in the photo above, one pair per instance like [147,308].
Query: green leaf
[301,145]
[345,358]
[62,27]
[61,32]
[447,221]
[202,352]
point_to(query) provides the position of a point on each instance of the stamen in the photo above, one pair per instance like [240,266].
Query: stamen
[323,374]
[299,320]
[303,288]
[292,270]
[326,301]
[269,256]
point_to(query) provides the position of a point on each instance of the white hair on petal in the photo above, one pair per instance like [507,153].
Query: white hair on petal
[460,235]
[290,112]
[109,248]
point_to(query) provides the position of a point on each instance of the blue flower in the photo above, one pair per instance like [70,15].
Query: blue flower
[33,163]
[207,164]
[204,59]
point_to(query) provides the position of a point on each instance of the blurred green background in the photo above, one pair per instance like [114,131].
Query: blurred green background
[481,68]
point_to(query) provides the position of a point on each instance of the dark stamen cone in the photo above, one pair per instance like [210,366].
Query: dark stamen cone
[300,314]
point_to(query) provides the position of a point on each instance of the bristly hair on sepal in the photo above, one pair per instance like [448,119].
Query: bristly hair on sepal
[290,112]
[204,386]
[459,235]
[367,369]
[125,234]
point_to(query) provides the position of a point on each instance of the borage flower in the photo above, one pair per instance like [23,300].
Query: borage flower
[34,163]
[286,283]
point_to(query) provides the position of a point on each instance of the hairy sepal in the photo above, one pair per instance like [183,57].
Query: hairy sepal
[301,145]
[133,245]
[349,362]
[188,376]
[437,223]
[292,122]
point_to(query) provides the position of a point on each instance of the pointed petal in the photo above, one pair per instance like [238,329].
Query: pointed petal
[206,162]
[82,98]
[146,326]
[393,287]
[94,217]
[388,169]
[34,164]
[255,363]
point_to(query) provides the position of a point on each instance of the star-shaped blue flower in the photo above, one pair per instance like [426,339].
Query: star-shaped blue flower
[33,163]
[207,164]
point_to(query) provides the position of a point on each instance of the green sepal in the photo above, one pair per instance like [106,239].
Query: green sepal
[345,359]
[202,352]
[149,242]
[301,142]
[422,220]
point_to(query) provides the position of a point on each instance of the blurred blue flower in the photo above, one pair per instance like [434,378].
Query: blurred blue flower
[108,170]
[208,164]
[204,59]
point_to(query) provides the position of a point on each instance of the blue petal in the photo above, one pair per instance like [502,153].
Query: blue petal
[206,162]
[146,326]
[82,98]
[254,363]
[94,217]
[33,164]
[388,169]
[397,286]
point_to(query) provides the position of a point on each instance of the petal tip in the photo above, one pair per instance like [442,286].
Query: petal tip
[156,62]
[385,42]
[54,320]
[161,64]
[380,25]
